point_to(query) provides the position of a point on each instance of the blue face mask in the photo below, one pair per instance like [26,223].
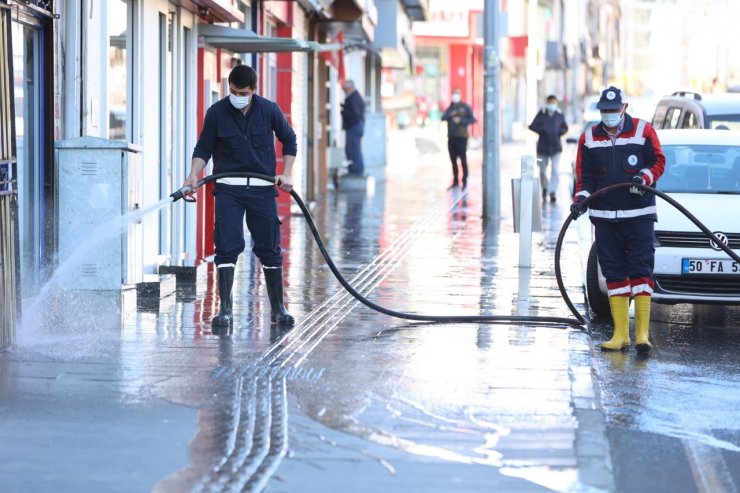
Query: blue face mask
[611,120]
[551,107]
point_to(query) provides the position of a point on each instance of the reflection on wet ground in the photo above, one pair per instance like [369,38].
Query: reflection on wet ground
[679,405]
[350,396]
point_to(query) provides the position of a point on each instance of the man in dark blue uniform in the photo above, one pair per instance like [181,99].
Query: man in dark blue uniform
[621,149]
[239,133]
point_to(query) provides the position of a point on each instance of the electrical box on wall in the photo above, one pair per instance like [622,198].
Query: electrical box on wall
[374,142]
[98,185]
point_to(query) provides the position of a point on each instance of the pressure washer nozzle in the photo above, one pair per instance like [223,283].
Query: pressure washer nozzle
[180,194]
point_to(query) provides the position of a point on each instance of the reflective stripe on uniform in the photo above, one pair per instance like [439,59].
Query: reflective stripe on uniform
[622,214]
[642,288]
[647,172]
[618,288]
[621,291]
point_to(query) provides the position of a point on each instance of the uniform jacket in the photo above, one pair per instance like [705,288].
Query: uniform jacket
[353,110]
[600,163]
[550,128]
[240,142]
[465,113]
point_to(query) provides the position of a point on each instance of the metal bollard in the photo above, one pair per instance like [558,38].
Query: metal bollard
[527,209]
[525,212]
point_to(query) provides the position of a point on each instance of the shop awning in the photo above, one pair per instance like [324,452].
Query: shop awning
[246,41]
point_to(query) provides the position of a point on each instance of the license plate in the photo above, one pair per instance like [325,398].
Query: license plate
[709,266]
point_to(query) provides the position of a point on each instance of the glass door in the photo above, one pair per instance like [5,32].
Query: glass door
[26,64]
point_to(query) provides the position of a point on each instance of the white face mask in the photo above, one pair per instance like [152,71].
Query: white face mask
[239,102]
[611,120]
[455,98]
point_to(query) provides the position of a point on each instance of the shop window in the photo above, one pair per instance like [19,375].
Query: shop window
[118,34]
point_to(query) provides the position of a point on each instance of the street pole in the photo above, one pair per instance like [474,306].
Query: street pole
[491,126]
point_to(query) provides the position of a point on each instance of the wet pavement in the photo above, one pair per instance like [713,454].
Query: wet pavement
[115,397]
[672,418]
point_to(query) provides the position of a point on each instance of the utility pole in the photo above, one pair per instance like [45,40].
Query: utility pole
[491,125]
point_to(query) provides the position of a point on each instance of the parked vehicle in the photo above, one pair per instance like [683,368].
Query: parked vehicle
[693,110]
[703,174]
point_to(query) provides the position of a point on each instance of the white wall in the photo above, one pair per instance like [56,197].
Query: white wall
[83,100]
[298,109]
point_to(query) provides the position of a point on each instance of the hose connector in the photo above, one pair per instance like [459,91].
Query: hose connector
[182,194]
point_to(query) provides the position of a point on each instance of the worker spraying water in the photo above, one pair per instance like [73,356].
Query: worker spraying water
[239,133]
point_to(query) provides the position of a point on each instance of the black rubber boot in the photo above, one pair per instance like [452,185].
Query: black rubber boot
[225,282]
[274,284]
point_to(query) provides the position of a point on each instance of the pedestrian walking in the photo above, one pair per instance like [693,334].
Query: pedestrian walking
[458,116]
[353,123]
[621,149]
[549,124]
[239,134]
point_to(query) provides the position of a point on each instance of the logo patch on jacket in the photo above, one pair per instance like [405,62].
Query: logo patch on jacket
[632,160]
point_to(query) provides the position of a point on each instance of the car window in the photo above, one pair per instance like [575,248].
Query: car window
[724,122]
[671,118]
[689,120]
[658,117]
[701,169]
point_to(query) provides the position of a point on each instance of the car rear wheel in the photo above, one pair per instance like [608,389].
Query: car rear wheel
[597,301]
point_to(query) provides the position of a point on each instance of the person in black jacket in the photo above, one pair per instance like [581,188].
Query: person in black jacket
[239,134]
[458,116]
[353,122]
[550,125]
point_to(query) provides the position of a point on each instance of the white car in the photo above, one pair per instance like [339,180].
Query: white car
[702,174]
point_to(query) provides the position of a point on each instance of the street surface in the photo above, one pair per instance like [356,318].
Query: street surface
[112,396]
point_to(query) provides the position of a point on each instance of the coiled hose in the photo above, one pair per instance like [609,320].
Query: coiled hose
[604,190]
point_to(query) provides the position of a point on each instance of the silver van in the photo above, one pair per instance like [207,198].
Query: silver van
[693,110]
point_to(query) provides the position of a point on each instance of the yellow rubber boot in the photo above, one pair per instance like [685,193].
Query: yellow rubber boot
[620,307]
[642,322]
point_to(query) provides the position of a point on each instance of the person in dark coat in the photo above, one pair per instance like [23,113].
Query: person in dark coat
[458,116]
[353,122]
[550,125]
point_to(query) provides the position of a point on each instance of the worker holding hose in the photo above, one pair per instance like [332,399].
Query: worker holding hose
[621,149]
[239,134]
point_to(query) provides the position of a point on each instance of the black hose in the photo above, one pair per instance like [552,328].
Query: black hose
[580,320]
[557,321]
[604,190]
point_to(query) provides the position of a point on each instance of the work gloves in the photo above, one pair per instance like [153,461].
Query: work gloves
[577,208]
[639,179]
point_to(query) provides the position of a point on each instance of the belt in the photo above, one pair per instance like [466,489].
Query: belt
[244,181]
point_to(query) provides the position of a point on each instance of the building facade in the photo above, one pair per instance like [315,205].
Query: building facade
[140,74]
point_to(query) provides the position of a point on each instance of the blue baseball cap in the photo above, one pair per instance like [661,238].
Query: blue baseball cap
[612,98]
